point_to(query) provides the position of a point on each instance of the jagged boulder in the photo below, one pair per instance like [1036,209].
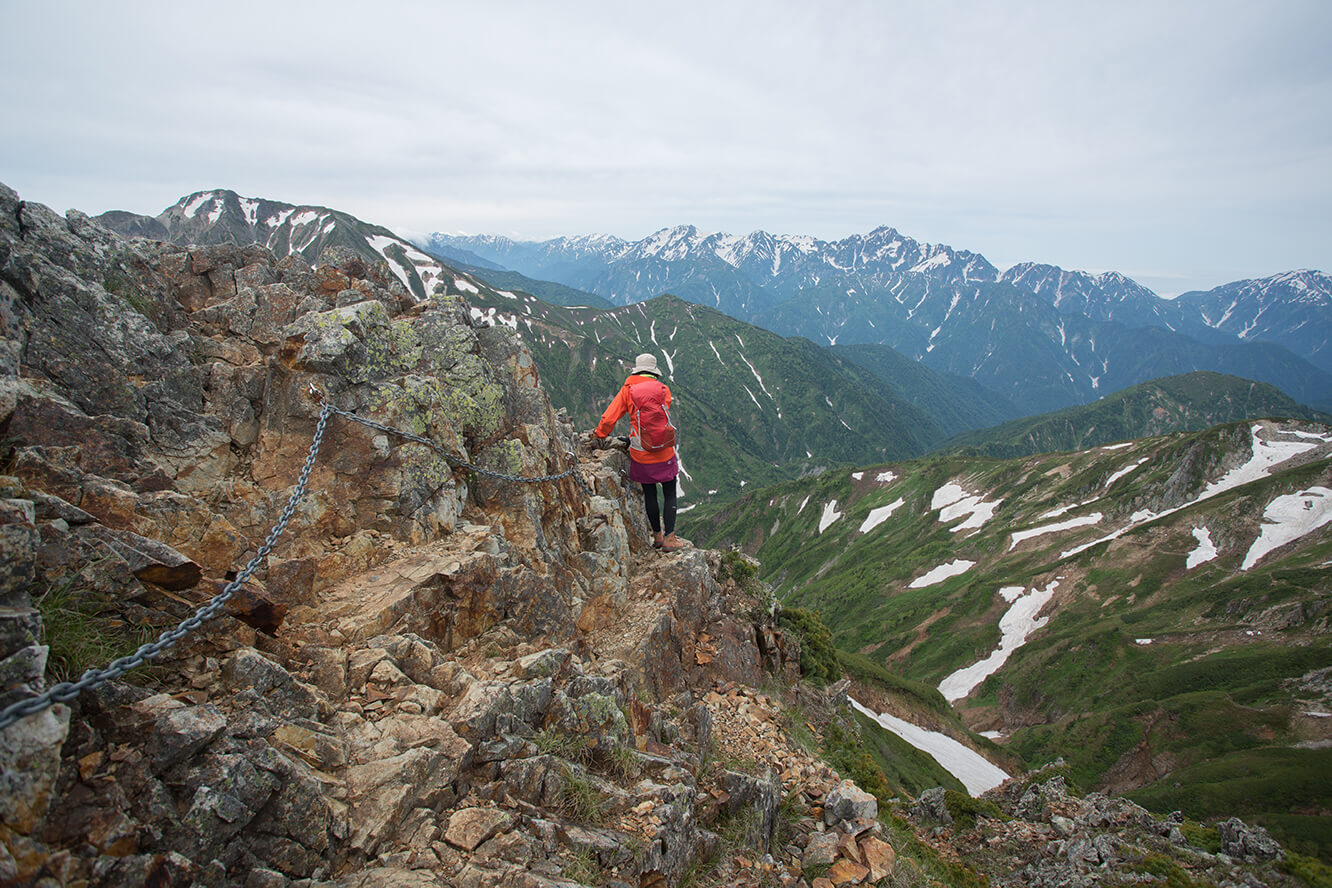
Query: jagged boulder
[849,802]
[1245,842]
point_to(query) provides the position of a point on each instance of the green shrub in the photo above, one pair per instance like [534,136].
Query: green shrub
[864,669]
[550,741]
[1314,872]
[1199,836]
[735,566]
[845,751]
[1166,870]
[966,809]
[818,656]
[742,830]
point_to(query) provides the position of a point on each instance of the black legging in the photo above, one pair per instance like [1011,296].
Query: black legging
[650,501]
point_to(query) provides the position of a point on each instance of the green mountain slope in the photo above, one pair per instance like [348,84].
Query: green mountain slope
[752,408]
[956,403]
[1152,669]
[1191,402]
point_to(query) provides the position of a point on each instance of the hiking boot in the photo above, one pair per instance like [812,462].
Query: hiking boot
[656,540]
[672,542]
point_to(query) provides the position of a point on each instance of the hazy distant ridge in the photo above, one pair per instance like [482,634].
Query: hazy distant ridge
[1044,337]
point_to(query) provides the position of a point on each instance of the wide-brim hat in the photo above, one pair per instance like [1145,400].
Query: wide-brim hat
[646,363]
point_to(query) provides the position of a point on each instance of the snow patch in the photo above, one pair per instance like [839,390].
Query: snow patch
[1083,521]
[380,244]
[804,502]
[977,773]
[880,515]
[830,514]
[1205,551]
[943,572]
[1122,472]
[491,318]
[886,477]
[1018,622]
[1293,516]
[192,207]
[1266,454]
[954,502]
[1055,513]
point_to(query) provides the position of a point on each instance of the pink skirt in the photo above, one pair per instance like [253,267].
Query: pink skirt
[654,473]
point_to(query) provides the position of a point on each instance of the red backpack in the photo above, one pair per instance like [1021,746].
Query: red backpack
[651,428]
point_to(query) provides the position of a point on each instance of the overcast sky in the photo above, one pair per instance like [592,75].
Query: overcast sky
[1185,143]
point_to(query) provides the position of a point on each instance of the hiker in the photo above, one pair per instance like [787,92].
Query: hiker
[652,458]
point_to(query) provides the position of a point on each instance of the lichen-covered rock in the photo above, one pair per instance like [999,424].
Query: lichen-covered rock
[248,668]
[469,827]
[180,733]
[1238,839]
[29,767]
[931,808]
[847,801]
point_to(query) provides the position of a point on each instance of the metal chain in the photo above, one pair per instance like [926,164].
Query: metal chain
[66,691]
[572,471]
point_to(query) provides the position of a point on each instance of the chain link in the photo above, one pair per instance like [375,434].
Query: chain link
[66,691]
[571,472]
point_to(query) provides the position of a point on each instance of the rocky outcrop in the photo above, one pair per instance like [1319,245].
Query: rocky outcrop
[1034,831]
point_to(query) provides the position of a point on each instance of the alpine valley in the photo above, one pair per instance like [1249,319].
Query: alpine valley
[1076,532]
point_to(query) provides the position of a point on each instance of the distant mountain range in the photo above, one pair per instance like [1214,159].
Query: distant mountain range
[930,342]
[1043,337]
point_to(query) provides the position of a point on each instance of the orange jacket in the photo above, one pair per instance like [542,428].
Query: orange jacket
[619,407]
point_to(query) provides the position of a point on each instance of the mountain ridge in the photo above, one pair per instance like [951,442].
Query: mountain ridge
[221,216]
[886,288]
[1169,404]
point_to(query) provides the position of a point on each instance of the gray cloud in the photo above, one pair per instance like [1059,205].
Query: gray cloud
[1186,144]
